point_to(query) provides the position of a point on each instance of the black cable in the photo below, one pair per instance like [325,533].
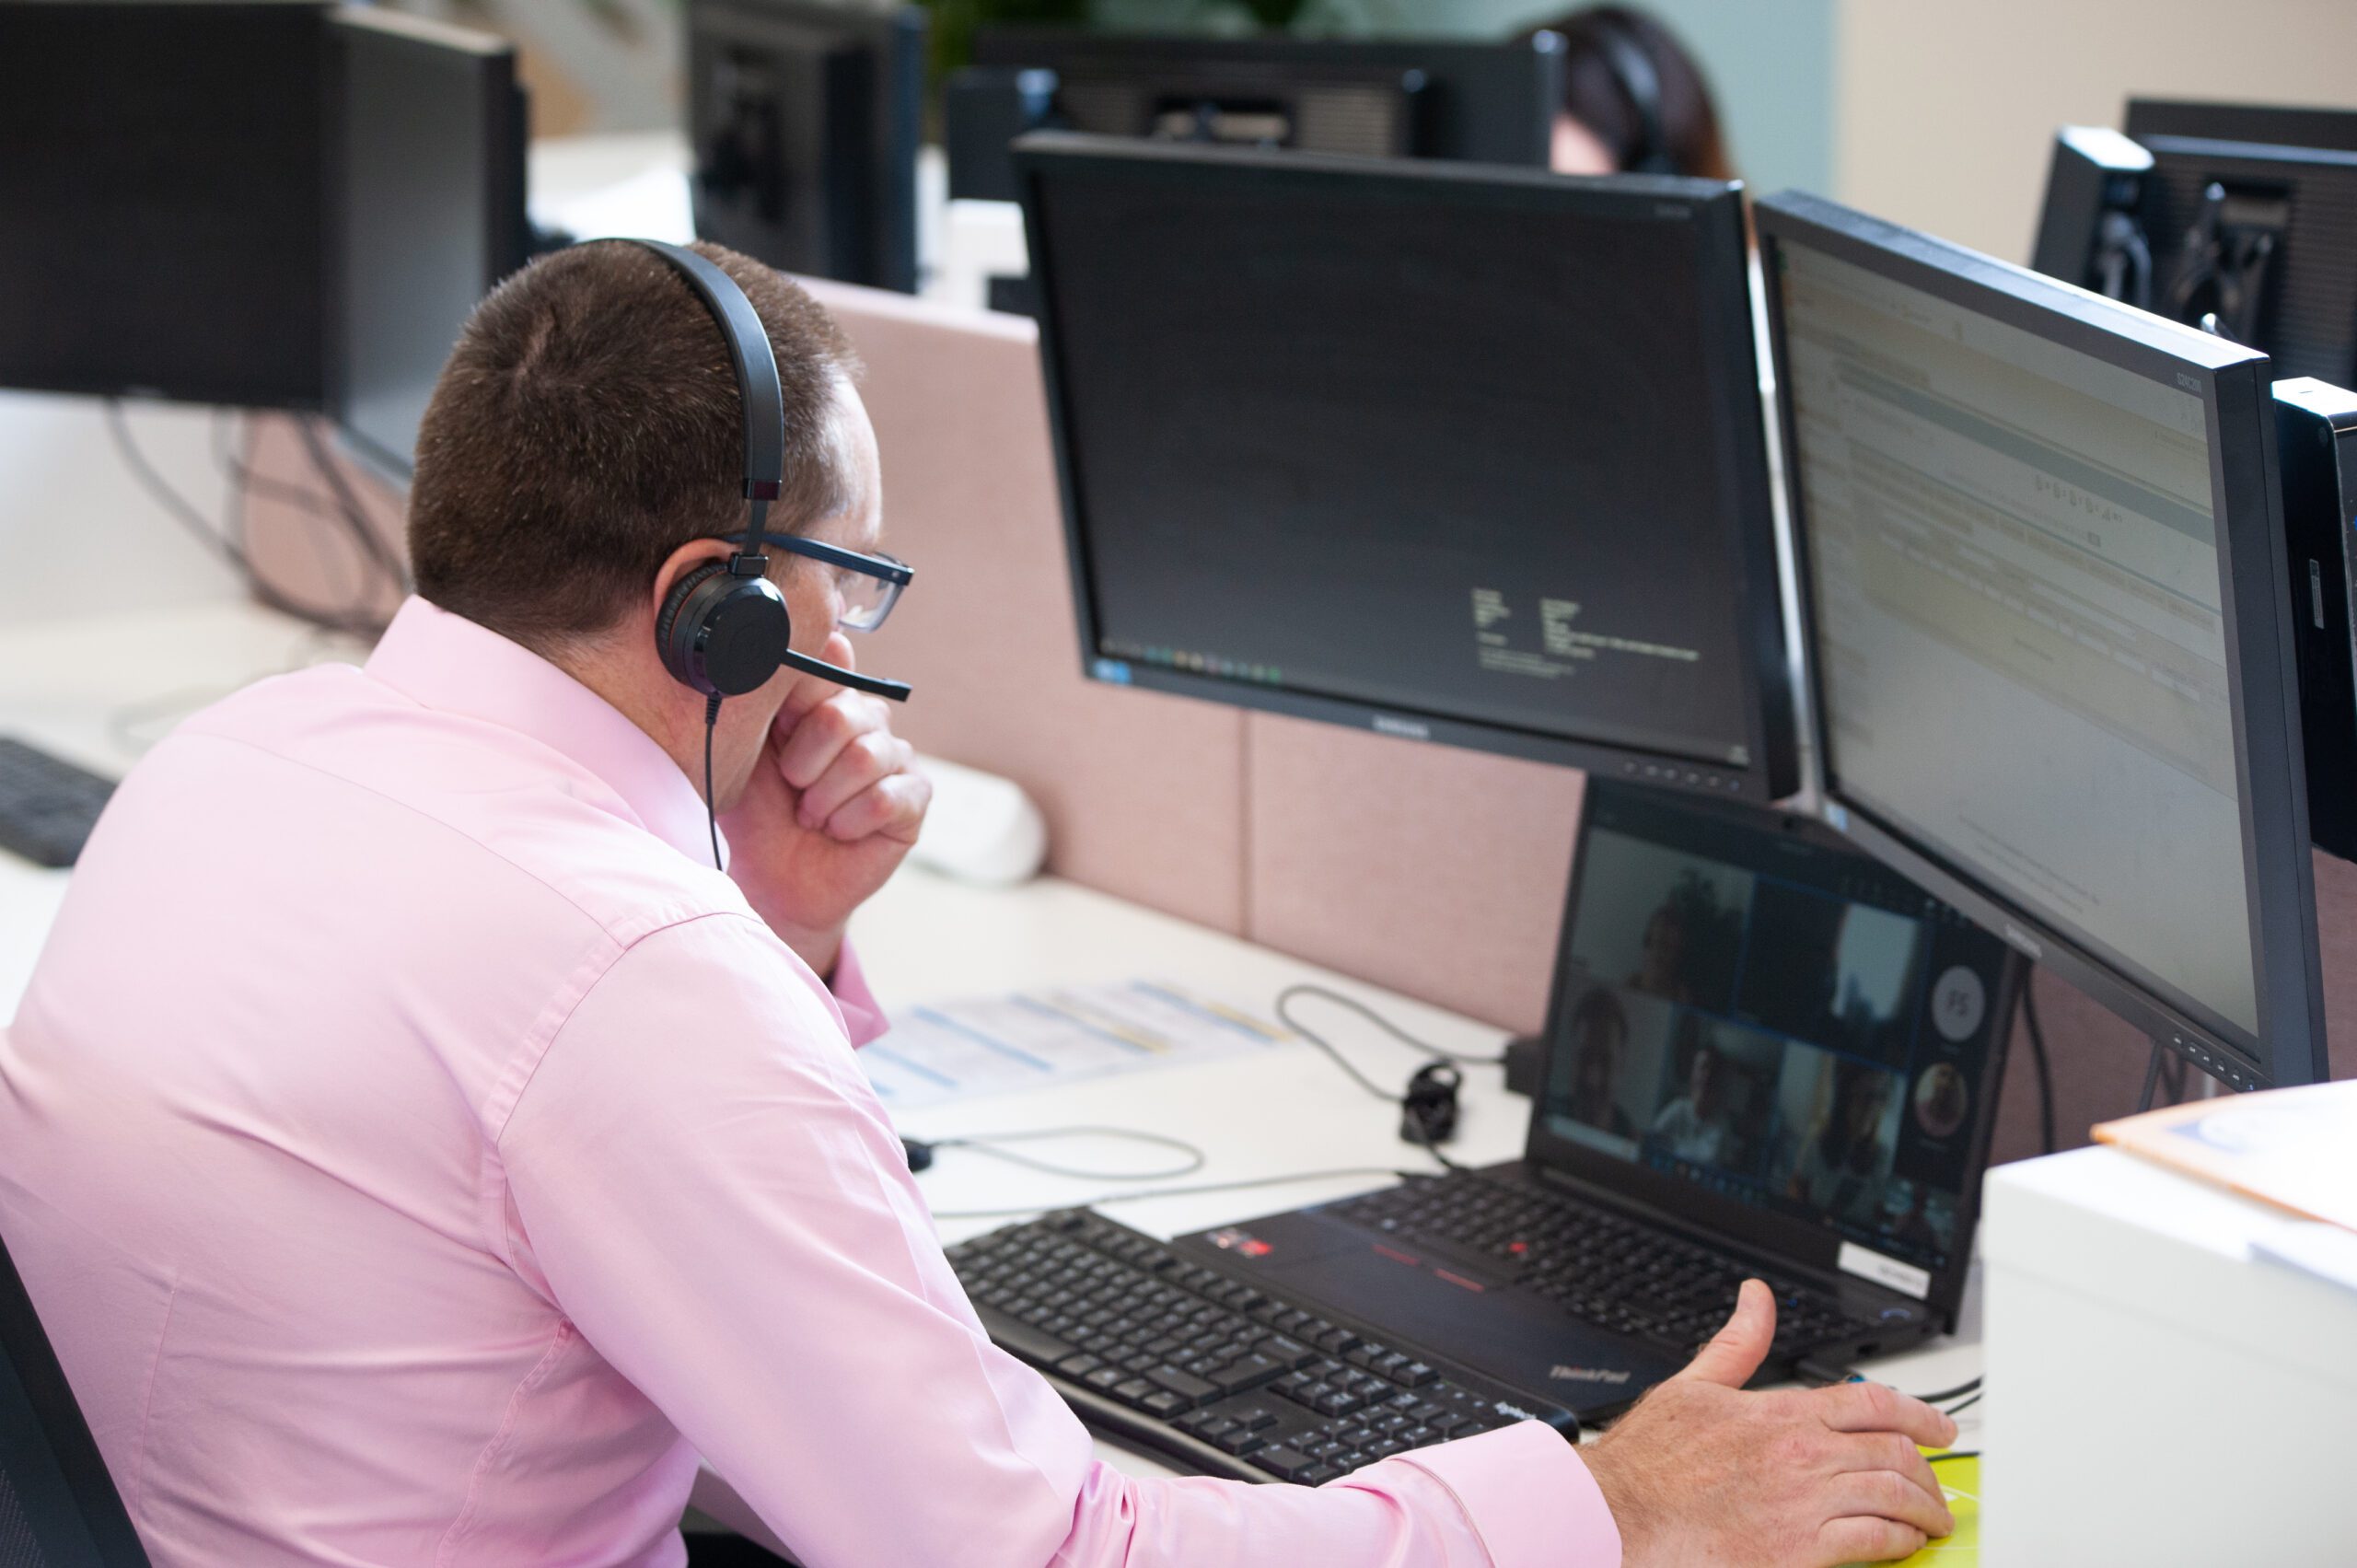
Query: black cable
[2039,1060]
[1953,1454]
[711,811]
[1428,1107]
[1963,1404]
[1946,1394]
[1103,1199]
[986,1144]
[186,514]
[2152,1079]
[1379,1021]
[184,511]
[353,515]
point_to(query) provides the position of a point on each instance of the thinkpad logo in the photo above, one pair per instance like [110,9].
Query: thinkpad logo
[1587,1375]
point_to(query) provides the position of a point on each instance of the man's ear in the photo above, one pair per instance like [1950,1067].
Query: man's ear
[681,562]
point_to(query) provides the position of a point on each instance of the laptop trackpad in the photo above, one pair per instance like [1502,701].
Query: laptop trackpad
[1511,1337]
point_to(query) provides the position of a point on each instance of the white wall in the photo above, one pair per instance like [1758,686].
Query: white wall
[1945,112]
[78,532]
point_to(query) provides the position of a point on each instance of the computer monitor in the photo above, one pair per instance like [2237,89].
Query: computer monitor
[2273,124]
[1482,102]
[1462,454]
[2045,602]
[164,183]
[2263,239]
[804,119]
[431,158]
[2241,219]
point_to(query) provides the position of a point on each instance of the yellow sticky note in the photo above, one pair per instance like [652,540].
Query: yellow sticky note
[1960,1479]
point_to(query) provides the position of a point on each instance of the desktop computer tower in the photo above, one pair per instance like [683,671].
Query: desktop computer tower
[2315,432]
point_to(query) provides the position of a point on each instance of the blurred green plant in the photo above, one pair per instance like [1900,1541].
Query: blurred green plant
[953,23]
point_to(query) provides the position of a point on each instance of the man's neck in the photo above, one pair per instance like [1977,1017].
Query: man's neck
[649,699]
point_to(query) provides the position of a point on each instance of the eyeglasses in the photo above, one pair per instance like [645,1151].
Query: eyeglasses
[868,587]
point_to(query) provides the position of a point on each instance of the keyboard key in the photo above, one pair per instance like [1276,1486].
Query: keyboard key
[1291,1353]
[1132,1390]
[1320,1473]
[1186,1385]
[1415,1374]
[1286,1464]
[1253,1417]
[1238,1443]
[1239,1375]
[1028,1342]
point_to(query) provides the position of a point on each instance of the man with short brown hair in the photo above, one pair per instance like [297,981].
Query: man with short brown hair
[422,1154]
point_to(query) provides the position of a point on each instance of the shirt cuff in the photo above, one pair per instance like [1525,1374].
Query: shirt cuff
[1527,1495]
[863,1018]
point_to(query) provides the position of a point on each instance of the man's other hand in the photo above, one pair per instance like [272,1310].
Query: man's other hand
[831,808]
[1703,1472]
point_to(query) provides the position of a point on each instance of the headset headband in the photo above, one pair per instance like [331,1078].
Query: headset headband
[1626,56]
[758,390]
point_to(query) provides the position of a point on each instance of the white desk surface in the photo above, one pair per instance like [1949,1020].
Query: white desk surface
[923,939]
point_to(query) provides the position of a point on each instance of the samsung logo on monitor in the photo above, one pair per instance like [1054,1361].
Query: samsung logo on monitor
[1411,728]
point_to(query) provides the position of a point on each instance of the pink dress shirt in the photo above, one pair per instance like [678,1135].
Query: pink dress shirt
[420,1154]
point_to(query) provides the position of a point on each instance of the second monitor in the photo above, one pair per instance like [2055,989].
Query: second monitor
[1463,455]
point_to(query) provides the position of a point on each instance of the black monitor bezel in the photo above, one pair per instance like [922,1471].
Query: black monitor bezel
[490,65]
[1769,1230]
[2287,1046]
[2278,125]
[1749,528]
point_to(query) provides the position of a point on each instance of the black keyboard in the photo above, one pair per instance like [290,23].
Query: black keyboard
[1610,1271]
[1214,1374]
[47,806]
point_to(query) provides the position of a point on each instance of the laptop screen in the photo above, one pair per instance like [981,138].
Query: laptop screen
[1777,1023]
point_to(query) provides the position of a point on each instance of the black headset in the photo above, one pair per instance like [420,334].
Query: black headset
[723,629]
[1625,57]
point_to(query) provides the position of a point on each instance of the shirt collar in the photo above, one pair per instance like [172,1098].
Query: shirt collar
[456,666]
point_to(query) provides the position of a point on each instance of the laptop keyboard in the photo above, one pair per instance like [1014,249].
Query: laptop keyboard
[1223,1377]
[1598,1266]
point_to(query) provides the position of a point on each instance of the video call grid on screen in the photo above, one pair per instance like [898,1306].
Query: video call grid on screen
[2014,570]
[1464,452]
[1784,1024]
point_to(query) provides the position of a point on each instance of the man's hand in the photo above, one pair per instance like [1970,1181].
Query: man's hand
[1703,1472]
[829,811]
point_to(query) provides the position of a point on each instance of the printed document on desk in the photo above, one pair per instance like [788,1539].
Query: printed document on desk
[964,1049]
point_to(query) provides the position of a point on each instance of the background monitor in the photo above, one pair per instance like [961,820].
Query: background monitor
[1469,455]
[1392,98]
[2264,238]
[2239,218]
[803,120]
[2271,124]
[164,188]
[2045,603]
[431,156]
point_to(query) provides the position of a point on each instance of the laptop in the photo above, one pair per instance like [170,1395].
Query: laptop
[1765,1055]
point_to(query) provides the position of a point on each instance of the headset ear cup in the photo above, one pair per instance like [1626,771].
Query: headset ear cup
[721,634]
[674,642]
